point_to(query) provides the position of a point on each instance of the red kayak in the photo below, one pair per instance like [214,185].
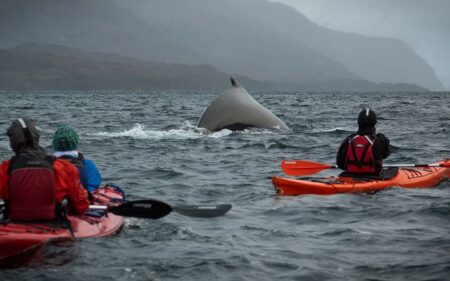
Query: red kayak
[417,177]
[20,238]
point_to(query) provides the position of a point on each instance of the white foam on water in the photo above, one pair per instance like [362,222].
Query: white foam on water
[336,129]
[185,131]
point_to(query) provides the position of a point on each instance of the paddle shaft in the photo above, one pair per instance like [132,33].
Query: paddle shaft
[305,167]
[155,209]
[385,165]
[414,165]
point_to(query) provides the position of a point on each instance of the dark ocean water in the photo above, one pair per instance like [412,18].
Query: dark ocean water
[148,144]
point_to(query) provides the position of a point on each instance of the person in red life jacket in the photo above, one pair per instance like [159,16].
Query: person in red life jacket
[65,143]
[363,152]
[33,183]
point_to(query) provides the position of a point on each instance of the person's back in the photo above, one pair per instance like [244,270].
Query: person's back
[363,152]
[33,183]
[65,143]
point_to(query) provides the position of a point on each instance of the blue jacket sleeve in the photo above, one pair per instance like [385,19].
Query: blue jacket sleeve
[93,175]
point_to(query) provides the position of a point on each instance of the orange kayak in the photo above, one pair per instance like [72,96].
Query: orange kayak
[417,177]
[21,238]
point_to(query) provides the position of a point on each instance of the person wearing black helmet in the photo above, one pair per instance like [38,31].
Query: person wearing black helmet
[363,152]
[33,183]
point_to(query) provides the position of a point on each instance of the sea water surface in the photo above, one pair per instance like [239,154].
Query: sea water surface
[148,143]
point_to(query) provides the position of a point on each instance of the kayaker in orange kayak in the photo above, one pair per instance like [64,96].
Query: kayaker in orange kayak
[363,152]
[33,183]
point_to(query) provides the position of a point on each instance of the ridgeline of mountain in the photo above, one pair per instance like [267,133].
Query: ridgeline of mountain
[40,67]
[262,40]
[49,67]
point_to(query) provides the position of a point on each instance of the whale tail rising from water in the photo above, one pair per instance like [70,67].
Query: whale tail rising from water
[235,109]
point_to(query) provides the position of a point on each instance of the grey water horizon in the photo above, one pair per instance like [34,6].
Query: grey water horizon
[148,144]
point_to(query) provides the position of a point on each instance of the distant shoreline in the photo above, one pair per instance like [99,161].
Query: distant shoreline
[39,67]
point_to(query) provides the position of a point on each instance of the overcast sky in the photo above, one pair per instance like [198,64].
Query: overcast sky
[422,24]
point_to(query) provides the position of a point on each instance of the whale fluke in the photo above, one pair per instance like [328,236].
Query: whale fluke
[235,109]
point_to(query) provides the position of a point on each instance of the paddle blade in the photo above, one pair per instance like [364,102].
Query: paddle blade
[149,208]
[202,211]
[303,167]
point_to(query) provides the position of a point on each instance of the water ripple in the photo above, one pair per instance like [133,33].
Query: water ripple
[147,143]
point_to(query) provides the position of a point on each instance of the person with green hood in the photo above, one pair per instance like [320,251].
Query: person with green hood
[65,144]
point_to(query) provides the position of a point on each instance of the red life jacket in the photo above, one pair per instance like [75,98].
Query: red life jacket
[359,156]
[31,188]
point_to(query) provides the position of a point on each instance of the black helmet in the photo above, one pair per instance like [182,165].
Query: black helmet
[367,118]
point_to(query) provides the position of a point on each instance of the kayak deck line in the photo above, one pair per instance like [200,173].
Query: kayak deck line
[406,177]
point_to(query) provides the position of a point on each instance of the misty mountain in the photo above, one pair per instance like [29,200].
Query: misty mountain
[50,67]
[422,25]
[163,36]
[373,58]
[255,38]
[98,25]
[274,41]
[40,67]
[234,37]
